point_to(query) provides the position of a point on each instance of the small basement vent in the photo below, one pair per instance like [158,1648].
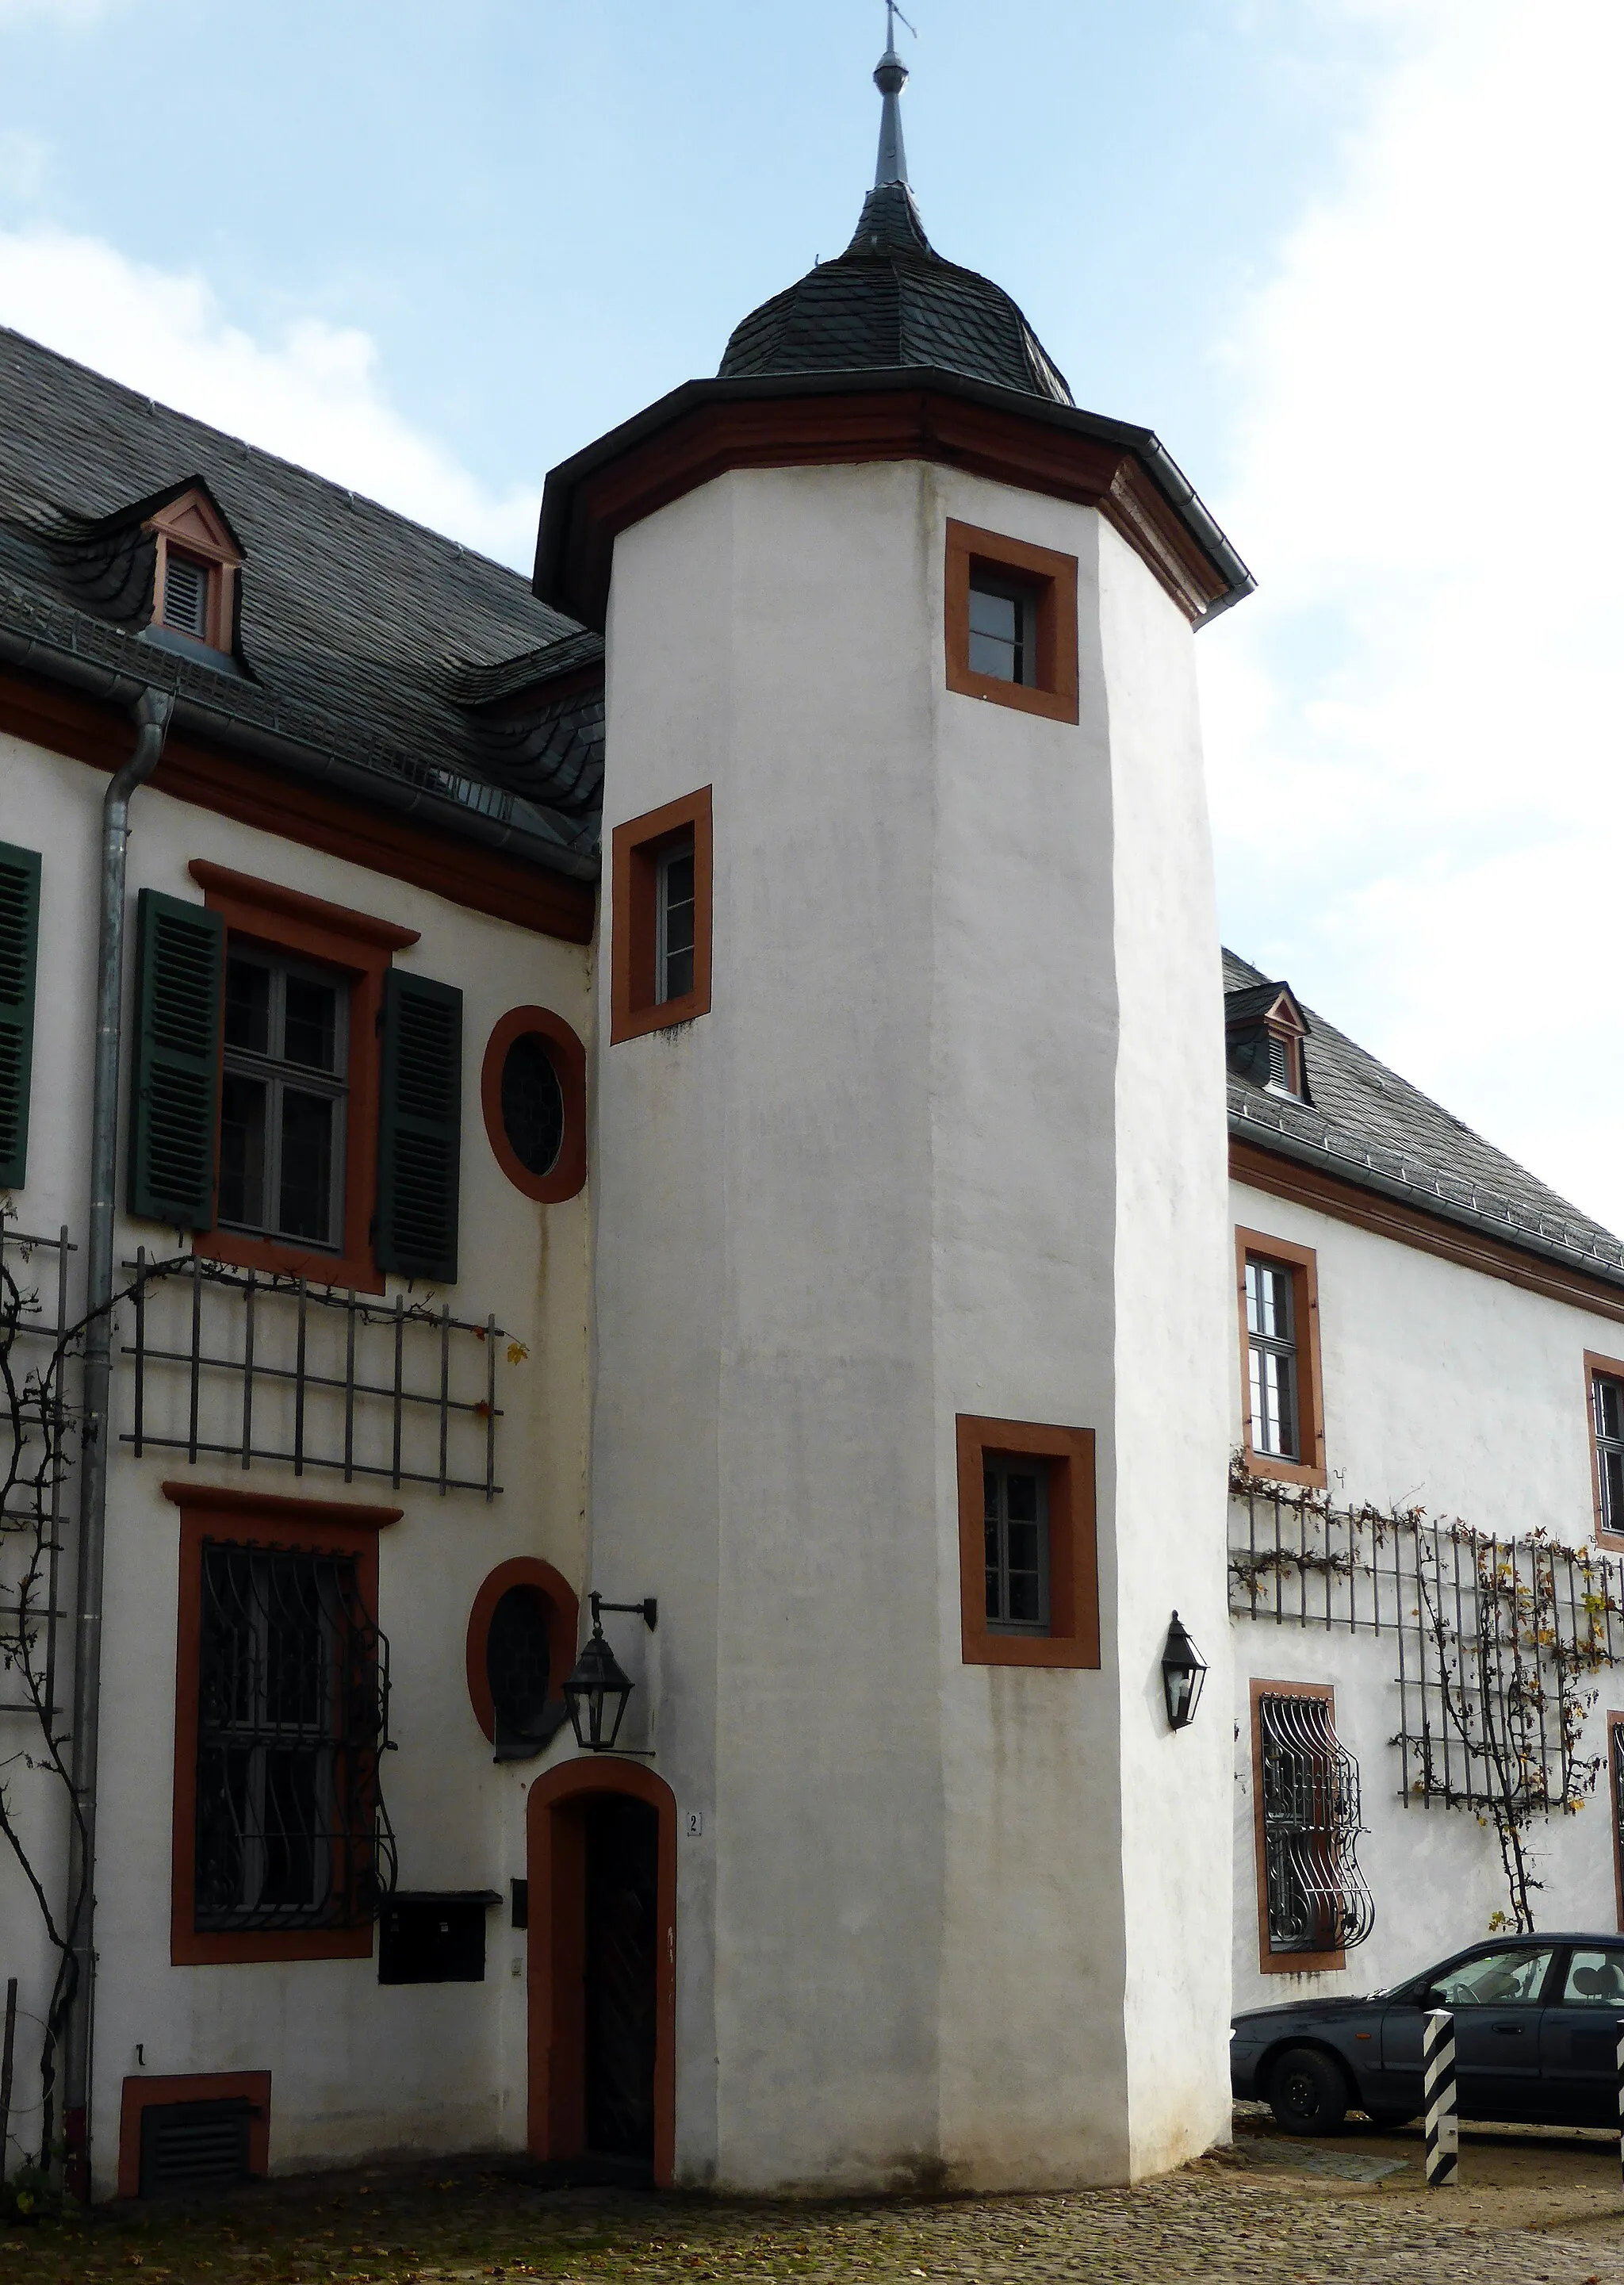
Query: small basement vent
[187,2145]
[185,595]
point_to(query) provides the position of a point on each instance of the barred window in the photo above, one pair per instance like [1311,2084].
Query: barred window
[1316,1900]
[292,1700]
[1271,1335]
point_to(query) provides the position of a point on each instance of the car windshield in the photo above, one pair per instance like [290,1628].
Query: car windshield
[1494,1979]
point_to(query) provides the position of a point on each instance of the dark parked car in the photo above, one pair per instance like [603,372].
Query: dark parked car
[1536,2040]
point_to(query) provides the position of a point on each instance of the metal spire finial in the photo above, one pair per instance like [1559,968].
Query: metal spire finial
[891,77]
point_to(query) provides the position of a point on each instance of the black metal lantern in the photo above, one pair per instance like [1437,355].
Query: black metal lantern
[598,1689]
[1183,1672]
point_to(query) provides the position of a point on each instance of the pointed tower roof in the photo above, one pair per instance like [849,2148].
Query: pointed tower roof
[891,301]
[887,353]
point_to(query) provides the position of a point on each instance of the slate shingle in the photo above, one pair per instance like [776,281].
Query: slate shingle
[892,300]
[1368,1127]
[357,624]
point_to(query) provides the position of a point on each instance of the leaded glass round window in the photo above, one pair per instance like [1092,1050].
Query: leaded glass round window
[532,1104]
[516,1662]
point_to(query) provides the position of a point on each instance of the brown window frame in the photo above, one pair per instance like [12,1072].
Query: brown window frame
[1050,578]
[313,1527]
[360,947]
[1269,1961]
[1073,1637]
[1609,1369]
[566,1177]
[563,1611]
[635,849]
[1303,1264]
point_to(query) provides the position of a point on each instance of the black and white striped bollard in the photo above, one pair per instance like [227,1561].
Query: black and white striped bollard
[1443,2128]
[1618,2061]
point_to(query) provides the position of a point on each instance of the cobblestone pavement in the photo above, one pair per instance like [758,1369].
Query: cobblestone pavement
[1532,2211]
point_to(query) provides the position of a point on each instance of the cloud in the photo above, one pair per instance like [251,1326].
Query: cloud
[314,395]
[1414,727]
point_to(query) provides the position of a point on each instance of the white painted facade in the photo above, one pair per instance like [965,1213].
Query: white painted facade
[356,2067]
[949,1142]
[1467,1394]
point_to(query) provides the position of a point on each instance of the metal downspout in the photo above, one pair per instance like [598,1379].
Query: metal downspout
[152,712]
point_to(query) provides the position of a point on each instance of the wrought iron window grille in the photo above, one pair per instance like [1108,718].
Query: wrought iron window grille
[293,1718]
[1496,1641]
[248,1366]
[34,1460]
[1315,1894]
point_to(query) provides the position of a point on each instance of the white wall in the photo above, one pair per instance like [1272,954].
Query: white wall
[880,1184]
[1464,1394]
[355,2067]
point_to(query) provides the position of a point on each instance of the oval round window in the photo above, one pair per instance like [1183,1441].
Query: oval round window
[518,1665]
[532,1104]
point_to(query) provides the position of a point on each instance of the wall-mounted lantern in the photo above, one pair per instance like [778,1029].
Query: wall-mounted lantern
[1183,1672]
[598,1689]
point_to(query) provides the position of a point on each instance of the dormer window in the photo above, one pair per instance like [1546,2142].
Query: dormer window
[1265,1031]
[194,576]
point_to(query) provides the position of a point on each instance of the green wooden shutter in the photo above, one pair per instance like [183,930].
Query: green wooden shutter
[420,1129]
[174,1087]
[19,916]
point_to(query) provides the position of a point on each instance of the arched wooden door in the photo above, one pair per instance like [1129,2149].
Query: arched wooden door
[603,1964]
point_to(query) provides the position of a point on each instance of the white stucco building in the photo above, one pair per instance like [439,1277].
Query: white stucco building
[1444,1345]
[696,1082]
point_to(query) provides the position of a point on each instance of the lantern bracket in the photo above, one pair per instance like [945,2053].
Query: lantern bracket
[648,1610]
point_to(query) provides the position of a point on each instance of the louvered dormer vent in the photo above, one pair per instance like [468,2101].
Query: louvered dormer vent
[186,597]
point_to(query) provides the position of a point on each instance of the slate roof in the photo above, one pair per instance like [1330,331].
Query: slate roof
[1368,1127]
[364,637]
[891,301]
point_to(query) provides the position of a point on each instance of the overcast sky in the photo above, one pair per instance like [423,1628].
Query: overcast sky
[1357,261]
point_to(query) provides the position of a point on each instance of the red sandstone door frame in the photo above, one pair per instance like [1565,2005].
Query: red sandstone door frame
[557,1868]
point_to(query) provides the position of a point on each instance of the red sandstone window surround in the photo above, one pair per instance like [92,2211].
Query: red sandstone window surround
[1011,623]
[661,892]
[358,948]
[1029,1573]
[1321,1699]
[1282,1412]
[215,1692]
[1605,1404]
[533,1094]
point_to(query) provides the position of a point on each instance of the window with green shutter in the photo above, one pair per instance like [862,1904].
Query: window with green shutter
[420,1129]
[175,1086]
[20,913]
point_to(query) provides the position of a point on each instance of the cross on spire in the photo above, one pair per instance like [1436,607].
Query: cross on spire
[891,77]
